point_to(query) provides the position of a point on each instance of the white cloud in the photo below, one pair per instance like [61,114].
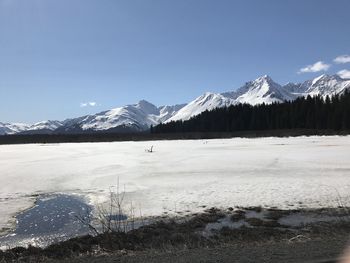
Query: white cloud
[86,104]
[342,59]
[344,74]
[318,66]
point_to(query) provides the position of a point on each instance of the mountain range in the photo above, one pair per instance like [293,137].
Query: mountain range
[140,116]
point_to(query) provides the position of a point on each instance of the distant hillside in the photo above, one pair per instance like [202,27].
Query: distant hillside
[141,116]
[317,113]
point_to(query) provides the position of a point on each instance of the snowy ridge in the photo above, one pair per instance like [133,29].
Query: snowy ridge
[264,90]
[45,125]
[140,116]
[326,85]
[167,112]
[207,101]
[137,117]
[12,128]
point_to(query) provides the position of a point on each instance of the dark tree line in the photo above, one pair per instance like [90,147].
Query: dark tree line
[303,113]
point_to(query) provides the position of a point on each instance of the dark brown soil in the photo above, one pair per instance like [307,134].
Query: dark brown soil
[262,240]
[324,250]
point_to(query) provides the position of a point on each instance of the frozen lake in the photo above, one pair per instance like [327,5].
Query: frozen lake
[180,175]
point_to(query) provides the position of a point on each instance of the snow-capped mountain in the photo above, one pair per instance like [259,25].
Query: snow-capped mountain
[167,112]
[264,90]
[261,90]
[45,125]
[135,117]
[324,85]
[207,101]
[140,116]
[42,127]
[12,128]
[39,127]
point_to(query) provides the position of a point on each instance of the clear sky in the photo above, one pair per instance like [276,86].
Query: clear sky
[56,56]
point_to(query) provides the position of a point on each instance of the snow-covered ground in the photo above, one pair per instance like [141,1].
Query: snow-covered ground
[181,175]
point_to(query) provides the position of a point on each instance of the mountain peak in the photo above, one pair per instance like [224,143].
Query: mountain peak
[264,78]
[147,107]
[144,102]
[264,82]
[326,77]
[315,80]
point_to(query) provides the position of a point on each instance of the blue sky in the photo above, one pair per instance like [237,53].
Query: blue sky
[56,56]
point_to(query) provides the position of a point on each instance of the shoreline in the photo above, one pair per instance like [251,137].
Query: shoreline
[146,136]
[261,226]
[180,215]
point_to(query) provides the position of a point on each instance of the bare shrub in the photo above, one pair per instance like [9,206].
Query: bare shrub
[113,217]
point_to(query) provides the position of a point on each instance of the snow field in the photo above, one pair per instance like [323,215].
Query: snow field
[182,175]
